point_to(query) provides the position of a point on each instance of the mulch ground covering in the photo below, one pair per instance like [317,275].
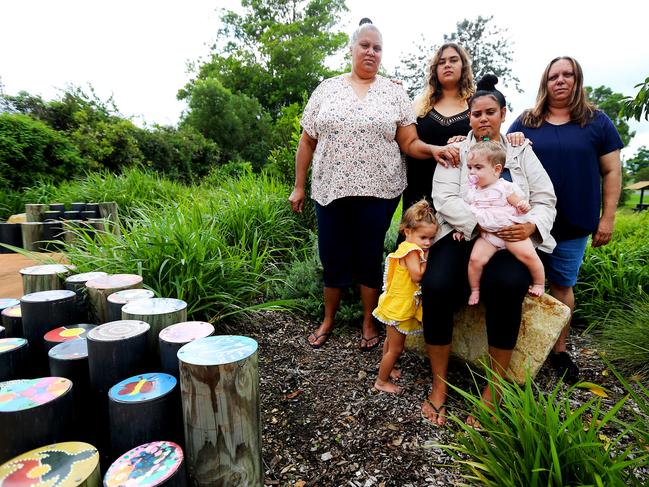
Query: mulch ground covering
[325,425]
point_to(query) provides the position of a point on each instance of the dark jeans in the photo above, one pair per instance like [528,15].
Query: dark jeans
[351,232]
[445,287]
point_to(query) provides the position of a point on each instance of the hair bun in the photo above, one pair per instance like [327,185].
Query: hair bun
[365,20]
[487,83]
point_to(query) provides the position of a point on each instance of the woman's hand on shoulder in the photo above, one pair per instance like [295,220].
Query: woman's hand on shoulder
[446,155]
[516,138]
[297,200]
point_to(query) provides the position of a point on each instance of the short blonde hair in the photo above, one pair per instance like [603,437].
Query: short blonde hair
[419,213]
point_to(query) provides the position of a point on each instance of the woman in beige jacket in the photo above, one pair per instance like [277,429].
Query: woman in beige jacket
[505,280]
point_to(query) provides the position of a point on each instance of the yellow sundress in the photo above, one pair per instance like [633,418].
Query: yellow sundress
[400,302]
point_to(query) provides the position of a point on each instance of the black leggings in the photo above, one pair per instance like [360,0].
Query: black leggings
[445,287]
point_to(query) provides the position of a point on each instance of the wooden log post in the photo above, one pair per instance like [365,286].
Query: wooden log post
[42,312]
[37,412]
[12,321]
[144,408]
[117,300]
[13,358]
[159,463]
[173,337]
[57,207]
[157,312]
[70,360]
[77,283]
[46,277]
[219,383]
[52,234]
[98,224]
[108,210]
[68,333]
[78,206]
[94,207]
[35,212]
[67,464]
[100,288]
[32,233]
[10,234]
[3,332]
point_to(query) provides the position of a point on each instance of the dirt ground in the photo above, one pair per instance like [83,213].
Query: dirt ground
[11,285]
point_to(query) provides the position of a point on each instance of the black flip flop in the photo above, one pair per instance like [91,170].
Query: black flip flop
[315,343]
[438,411]
[367,340]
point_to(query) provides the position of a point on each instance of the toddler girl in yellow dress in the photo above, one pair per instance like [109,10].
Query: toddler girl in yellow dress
[400,303]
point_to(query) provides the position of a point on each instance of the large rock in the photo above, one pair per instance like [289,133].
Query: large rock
[543,320]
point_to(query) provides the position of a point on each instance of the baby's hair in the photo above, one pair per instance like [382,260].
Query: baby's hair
[418,213]
[493,150]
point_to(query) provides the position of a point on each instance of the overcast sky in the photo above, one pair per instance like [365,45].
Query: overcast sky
[137,50]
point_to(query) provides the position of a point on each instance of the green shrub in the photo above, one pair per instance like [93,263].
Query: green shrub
[534,438]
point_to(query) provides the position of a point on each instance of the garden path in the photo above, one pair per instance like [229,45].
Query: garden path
[11,284]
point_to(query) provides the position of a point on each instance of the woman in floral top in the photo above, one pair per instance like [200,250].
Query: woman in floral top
[355,127]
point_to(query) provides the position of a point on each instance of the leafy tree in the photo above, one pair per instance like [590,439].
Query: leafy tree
[612,104]
[274,51]
[635,107]
[486,43]
[237,123]
[638,165]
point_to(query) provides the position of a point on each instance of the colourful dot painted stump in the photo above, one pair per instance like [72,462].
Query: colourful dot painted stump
[68,464]
[99,289]
[117,300]
[44,277]
[34,412]
[12,320]
[157,312]
[148,465]
[43,311]
[173,337]
[144,408]
[219,383]
[66,334]
[13,358]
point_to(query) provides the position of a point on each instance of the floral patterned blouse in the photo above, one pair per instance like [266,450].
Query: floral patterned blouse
[357,154]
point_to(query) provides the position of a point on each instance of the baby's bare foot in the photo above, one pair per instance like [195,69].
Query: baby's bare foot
[536,290]
[387,386]
[474,298]
[395,374]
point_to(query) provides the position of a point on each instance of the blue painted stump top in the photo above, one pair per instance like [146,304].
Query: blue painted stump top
[46,296]
[143,387]
[118,330]
[217,350]
[145,465]
[18,395]
[9,344]
[8,303]
[72,350]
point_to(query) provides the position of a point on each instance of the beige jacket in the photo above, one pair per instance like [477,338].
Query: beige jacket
[453,213]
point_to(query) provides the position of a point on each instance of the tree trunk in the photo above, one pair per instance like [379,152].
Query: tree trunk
[44,277]
[13,358]
[157,312]
[117,300]
[32,233]
[173,337]
[219,383]
[109,211]
[39,412]
[35,212]
[100,288]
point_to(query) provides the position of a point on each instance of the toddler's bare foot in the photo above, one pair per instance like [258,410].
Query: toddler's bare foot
[474,298]
[386,386]
[395,374]
[536,290]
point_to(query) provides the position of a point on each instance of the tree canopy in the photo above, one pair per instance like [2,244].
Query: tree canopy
[612,104]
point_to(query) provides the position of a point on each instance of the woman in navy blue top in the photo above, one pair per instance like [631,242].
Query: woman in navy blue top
[580,149]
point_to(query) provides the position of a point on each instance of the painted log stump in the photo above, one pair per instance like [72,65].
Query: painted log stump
[117,300]
[152,464]
[8,303]
[108,210]
[144,408]
[34,412]
[32,236]
[77,283]
[70,360]
[542,322]
[13,358]
[35,212]
[219,383]
[157,312]
[67,464]
[100,288]
[12,320]
[173,337]
[67,333]
[10,234]
[44,277]
[41,312]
